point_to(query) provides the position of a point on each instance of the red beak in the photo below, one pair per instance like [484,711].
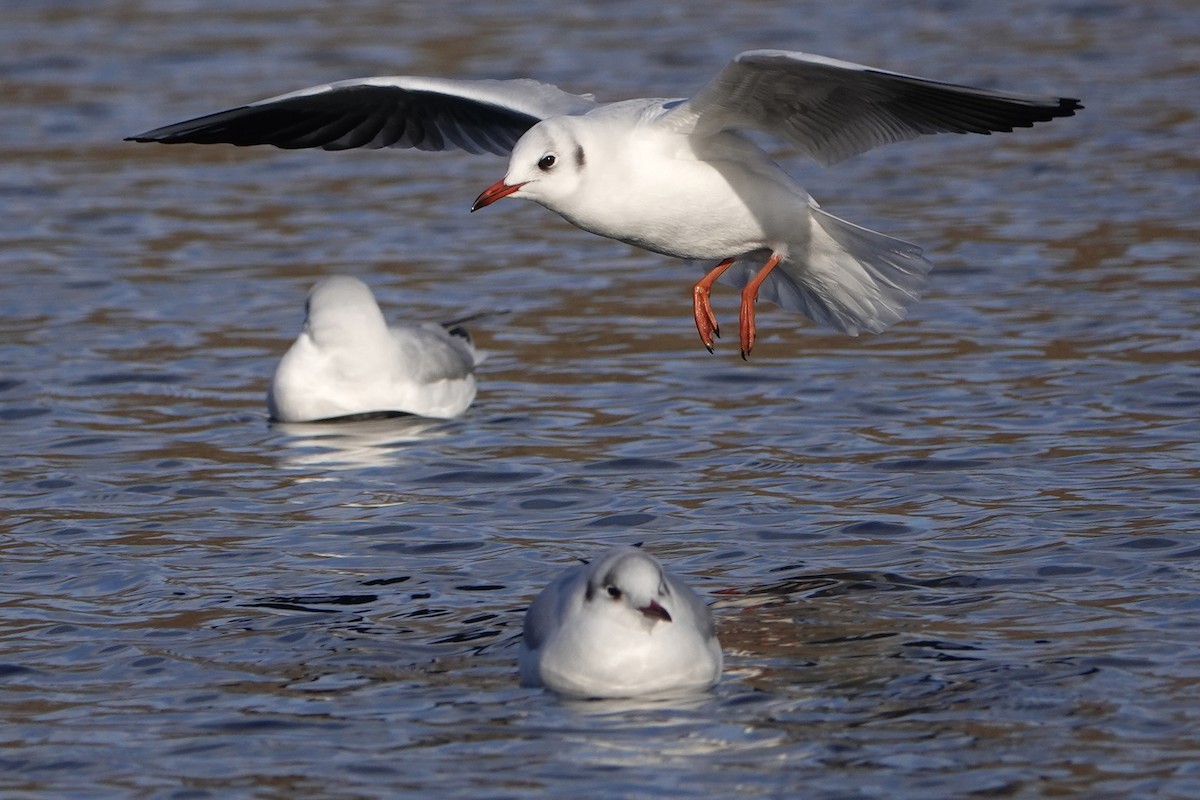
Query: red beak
[495,192]
[655,611]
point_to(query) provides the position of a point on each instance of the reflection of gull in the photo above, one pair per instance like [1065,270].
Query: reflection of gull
[678,176]
[619,627]
[347,361]
[621,707]
[354,444]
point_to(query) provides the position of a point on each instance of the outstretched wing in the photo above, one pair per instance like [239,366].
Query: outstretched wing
[484,116]
[832,109]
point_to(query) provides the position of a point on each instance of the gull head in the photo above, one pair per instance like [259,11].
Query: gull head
[342,308]
[629,585]
[547,166]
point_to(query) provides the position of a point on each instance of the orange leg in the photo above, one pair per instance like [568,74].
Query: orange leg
[706,321]
[749,298]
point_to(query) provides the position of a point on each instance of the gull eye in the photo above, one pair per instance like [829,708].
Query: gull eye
[613,592]
[546,162]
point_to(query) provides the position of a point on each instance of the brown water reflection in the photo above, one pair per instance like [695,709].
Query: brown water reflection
[955,559]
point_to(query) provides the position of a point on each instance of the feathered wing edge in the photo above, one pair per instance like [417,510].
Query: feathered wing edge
[841,276]
[831,110]
[406,112]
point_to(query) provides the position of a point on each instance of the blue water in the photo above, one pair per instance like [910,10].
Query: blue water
[956,559]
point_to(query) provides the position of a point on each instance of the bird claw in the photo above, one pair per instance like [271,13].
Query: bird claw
[746,324]
[706,321]
[749,298]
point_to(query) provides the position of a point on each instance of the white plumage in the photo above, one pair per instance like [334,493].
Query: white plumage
[347,361]
[675,176]
[619,627]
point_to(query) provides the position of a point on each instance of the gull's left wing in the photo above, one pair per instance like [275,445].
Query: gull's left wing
[831,110]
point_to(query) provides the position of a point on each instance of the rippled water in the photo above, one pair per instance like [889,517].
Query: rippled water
[956,559]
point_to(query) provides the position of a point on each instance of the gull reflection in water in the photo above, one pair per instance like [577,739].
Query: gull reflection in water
[356,442]
[684,700]
[613,733]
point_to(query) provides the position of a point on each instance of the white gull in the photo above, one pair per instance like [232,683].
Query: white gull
[674,176]
[348,362]
[619,627]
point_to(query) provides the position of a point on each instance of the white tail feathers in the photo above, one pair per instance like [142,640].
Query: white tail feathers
[841,275]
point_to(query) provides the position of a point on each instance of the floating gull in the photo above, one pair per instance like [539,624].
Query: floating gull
[348,362]
[619,627]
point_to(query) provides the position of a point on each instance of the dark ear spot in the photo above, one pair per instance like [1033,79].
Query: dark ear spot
[579,159]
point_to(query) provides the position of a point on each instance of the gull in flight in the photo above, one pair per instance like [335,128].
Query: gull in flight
[619,627]
[675,176]
[347,362]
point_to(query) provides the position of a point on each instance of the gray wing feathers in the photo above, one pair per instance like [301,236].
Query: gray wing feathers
[699,609]
[435,354]
[549,607]
[833,109]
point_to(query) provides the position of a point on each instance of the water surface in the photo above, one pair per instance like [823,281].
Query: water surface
[956,559]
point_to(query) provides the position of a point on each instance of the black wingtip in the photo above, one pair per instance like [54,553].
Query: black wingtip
[460,332]
[163,135]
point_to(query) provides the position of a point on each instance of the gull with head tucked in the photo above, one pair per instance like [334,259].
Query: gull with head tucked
[619,627]
[674,176]
[348,362]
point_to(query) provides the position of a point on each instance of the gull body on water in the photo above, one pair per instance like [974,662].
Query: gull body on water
[347,361]
[619,626]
